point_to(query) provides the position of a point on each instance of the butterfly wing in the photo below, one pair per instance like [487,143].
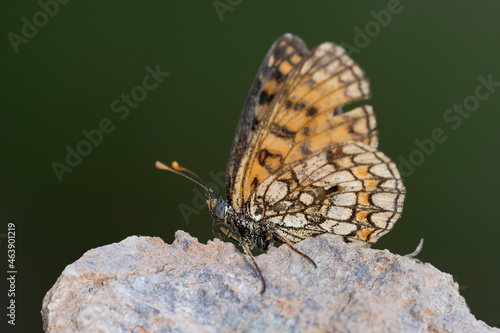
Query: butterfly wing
[286,52]
[349,189]
[305,116]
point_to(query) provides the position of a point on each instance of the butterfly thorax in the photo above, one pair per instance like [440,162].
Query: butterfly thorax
[241,226]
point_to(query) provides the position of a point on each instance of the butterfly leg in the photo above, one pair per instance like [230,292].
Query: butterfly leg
[284,240]
[249,253]
[217,230]
[228,234]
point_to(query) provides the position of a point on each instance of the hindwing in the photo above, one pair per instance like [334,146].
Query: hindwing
[348,189]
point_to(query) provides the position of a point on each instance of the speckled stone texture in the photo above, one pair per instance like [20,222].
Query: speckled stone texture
[144,285]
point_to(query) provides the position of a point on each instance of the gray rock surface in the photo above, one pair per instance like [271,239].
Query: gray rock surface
[144,285]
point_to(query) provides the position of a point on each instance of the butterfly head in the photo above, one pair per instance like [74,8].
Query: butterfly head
[216,205]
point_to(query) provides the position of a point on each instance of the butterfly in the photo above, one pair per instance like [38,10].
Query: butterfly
[300,166]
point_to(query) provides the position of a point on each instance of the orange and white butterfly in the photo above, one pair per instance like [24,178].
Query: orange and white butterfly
[300,166]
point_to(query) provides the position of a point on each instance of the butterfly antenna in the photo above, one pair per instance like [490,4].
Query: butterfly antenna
[178,169]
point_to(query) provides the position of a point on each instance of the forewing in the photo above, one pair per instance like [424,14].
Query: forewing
[286,52]
[306,116]
[350,190]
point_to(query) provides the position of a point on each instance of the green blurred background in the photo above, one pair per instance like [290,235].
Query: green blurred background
[64,79]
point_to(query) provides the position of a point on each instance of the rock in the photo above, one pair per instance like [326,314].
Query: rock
[144,285]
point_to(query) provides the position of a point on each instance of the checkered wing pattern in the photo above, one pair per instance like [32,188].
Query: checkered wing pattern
[349,189]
